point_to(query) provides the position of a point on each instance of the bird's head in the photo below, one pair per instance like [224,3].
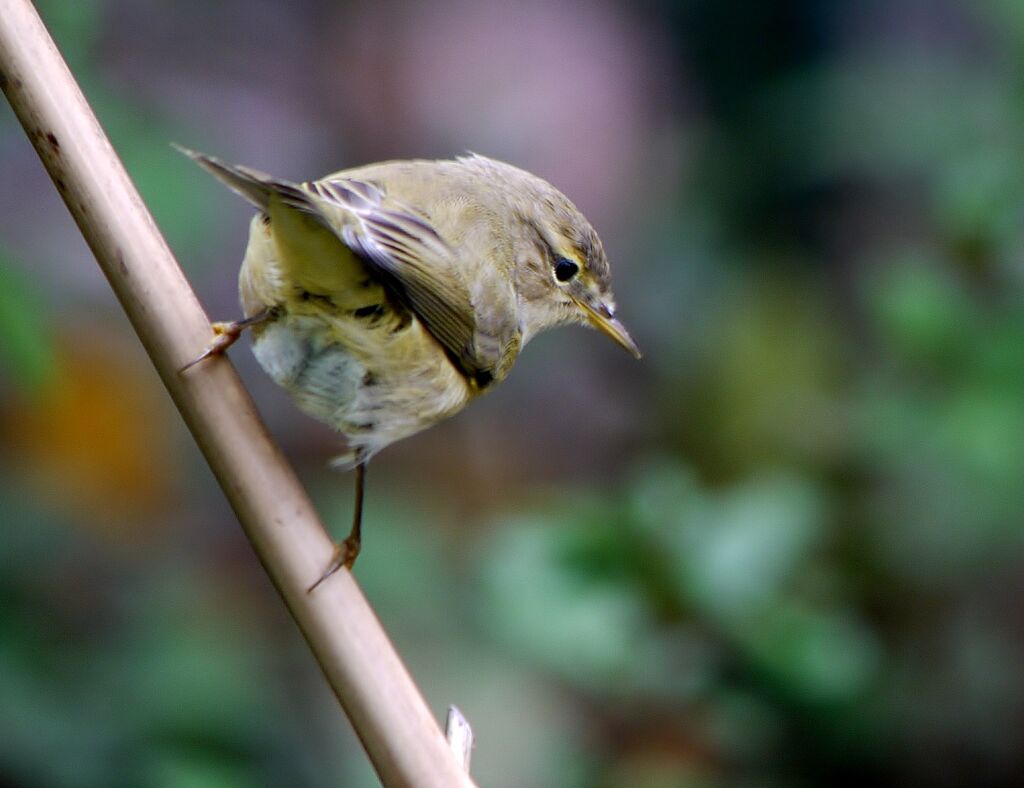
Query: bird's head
[560,270]
[568,277]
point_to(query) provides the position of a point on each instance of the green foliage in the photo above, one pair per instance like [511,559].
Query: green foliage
[128,679]
[806,567]
[26,354]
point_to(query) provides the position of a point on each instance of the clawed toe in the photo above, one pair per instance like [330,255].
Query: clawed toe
[225,334]
[223,340]
[345,554]
[347,551]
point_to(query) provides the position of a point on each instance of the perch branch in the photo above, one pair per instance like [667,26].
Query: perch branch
[390,716]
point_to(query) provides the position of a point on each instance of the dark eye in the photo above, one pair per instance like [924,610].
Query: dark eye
[565,269]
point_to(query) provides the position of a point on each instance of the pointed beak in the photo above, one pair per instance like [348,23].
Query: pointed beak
[602,318]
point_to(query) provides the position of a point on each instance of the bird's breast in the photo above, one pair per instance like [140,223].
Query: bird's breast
[374,386]
[352,357]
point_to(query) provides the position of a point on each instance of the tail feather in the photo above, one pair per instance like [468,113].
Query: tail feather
[253,185]
[310,250]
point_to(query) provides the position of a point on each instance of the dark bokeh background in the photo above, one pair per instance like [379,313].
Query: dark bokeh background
[785,549]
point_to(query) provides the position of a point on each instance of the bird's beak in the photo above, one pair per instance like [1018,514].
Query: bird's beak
[602,318]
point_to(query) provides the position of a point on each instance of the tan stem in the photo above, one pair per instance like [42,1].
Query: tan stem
[389,714]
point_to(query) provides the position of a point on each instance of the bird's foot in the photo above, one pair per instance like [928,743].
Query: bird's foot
[225,334]
[345,554]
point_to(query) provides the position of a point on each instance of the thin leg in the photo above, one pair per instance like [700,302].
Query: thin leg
[355,536]
[225,335]
[347,551]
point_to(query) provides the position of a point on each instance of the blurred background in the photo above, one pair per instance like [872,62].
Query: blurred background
[785,549]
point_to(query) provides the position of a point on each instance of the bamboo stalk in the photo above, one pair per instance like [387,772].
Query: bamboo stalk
[390,716]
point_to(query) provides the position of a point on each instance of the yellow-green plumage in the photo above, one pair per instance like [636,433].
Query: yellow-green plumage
[397,292]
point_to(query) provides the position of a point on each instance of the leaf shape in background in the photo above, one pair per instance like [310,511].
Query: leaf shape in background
[26,352]
[96,441]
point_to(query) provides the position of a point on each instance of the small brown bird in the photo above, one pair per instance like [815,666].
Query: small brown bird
[385,298]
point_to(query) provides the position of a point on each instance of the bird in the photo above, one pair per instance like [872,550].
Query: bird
[384,298]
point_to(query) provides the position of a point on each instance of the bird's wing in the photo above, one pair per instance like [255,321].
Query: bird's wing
[410,258]
[399,247]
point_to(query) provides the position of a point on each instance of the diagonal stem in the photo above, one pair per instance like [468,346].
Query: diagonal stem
[385,707]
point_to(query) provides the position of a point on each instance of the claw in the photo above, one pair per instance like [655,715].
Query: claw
[225,335]
[345,554]
[347,551]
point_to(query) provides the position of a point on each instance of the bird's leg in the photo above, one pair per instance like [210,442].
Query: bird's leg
[226,334]
[347,550]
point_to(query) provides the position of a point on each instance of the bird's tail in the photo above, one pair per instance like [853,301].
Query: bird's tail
[255,186]
[309,248]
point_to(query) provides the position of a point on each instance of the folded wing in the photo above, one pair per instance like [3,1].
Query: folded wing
[398,246]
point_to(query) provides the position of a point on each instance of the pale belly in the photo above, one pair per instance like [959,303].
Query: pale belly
[349,360]
[373,384]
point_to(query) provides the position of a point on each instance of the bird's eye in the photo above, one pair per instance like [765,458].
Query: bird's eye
[565,269]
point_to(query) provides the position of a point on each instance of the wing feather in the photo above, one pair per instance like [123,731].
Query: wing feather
[399,246]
